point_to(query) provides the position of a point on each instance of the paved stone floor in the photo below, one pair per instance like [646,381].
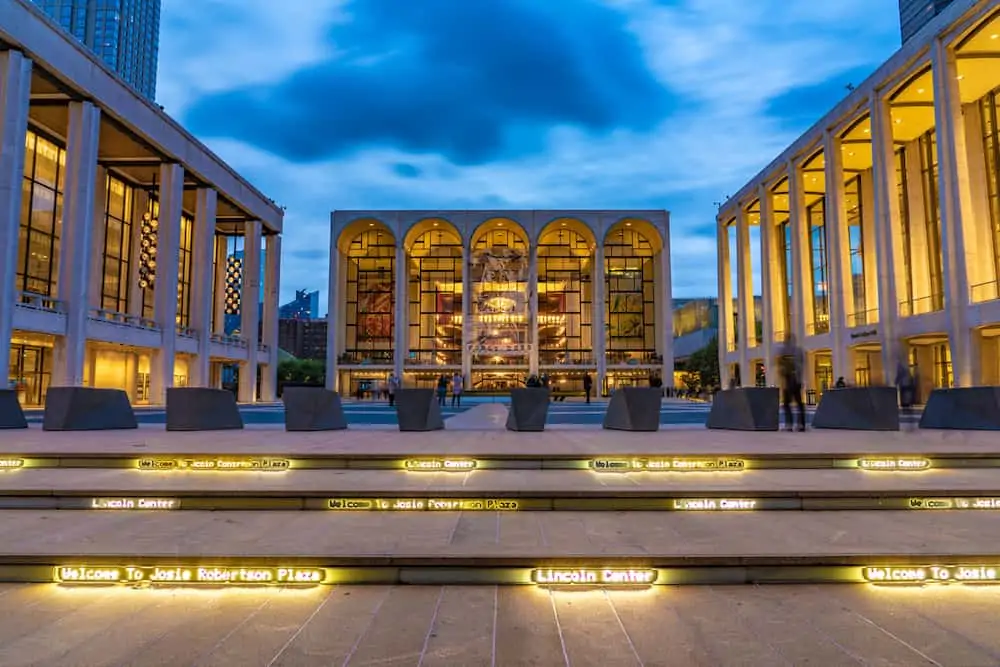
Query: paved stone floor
[484,535]
[829,626]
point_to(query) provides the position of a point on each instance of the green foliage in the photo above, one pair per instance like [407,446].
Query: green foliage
[703,367]
[307,371]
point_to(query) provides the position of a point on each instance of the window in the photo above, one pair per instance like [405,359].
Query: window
[41,216]
[565,288]
[856,241]
[631,302]
[787,265]
[991,150]
[371,272]
[815,215]
[116,285]
[932,217]
[500,297]
[184,272]
[904,225]
[435,296]
[148,293]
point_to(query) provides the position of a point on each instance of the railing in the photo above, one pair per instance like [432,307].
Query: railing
[566,358]
[186,332]
[123,319]
[435,358]
[921,305]
[818,328]
[366,358]
[780,336]
[263,349]
[232,341]
[40,302]
[988,291]
[633,358]
[863,318]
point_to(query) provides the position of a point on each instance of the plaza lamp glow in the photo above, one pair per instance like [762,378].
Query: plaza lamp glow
[234,285]
[148,245]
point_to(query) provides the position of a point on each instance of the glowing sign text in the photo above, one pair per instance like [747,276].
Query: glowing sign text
[424,504]
[714,504]
[894,464]
[594,577]
[11,464]
[668,465]
[954,503]
[241,464]
[437,465]
[239,576]
[134,504]
[933,574]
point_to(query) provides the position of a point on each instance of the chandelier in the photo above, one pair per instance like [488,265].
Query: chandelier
[147,250]
[234,284]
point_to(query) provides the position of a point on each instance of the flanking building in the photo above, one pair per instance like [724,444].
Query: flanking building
[115,229]
[499,295]
[880,227]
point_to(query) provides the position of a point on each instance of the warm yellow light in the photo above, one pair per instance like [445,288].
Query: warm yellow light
[933,574]
[894,464]
[594,577]
[437,465]
[714,504]
[134,504]
[11,464]
[253,464]
[178,575]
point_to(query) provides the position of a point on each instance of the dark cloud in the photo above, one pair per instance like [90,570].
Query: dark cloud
[474,81]
[310,254]
[407,170]
[799,108]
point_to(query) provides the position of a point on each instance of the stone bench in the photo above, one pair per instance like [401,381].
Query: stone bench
[313,409]
[745,409]
[858,409]
[87,409]
[418,410]
[11,414]
[634,409]
[202,409]
[529,408]
[964,408]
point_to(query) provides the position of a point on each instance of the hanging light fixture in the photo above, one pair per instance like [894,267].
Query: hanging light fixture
[234,284]
[147,250]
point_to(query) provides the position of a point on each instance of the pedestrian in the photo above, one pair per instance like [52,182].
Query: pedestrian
[393,385]
[907,385]
[587,385]
[790,364]
[442,390]
[840,383]
[457,385]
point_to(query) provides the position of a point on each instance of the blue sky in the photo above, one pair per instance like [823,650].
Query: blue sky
[438,104]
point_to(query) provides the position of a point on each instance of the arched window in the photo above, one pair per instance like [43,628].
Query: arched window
[565,298]
[500,328]
[435,298]
[631,297]
[370,298]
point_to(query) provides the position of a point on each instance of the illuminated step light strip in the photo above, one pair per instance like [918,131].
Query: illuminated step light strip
[894,464]
[175,575]
[438,465]
[425,504]
[215,464]
[933,574]
[954,503]
[126,504]
[594,577]
[668,465]
[11,464]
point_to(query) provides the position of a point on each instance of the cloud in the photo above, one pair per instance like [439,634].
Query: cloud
[558,104]
[471,81]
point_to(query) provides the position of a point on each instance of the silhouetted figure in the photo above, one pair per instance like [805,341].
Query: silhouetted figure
[588,384]
[906,382]
[790,364]
[442,390]
[840,383]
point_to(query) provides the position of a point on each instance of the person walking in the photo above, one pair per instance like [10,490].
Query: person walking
[442,390]
[906,382]
[457,385]
[790,364]
[587,385]
[393,385]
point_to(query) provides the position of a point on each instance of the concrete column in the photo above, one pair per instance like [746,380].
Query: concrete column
[533,309]
[202,283]
[667,309]
[272,288]
[83,136]
[744,296]
[725,301]
[599,328]
[770,301]
[802,291]
[467,331]
[402,300]
[221,252]
[250,309]
[98,238]
[888,235]
[140,204]
[161,376]
[332,310]
[955,201]
[15,92]
[838,256]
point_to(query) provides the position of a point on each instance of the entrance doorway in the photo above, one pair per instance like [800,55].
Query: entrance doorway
[30,373]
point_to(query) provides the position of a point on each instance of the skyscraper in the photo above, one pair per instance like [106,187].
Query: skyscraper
[125,34]
[915,14]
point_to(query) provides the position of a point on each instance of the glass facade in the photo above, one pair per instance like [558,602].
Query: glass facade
[184,270]
[991,151]
[435,298]
[856,244]
[932,218]
[631,301]
[370,298]
[565,298]
[819,266]
[500,304]
[116,286]
[124,34]
[41,216]
[787,264]
[906,236]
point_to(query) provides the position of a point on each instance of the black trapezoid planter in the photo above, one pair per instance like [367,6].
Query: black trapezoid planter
[313,409]
[87,409]
[11,414]
[202,409]
[963,408]
[529,408]
[634,409]
[745,409]
[418,410]
[858,409]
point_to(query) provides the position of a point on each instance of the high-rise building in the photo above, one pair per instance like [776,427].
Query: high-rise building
[915,14]
[304,307]
[125,34]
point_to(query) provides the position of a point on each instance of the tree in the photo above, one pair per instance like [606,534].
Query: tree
[302,371]
[705,364]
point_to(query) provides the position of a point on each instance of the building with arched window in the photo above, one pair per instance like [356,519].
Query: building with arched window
[876,234]
[497,296]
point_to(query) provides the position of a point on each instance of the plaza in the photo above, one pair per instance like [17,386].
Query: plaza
[121,234]
[874,234]
[541,288]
